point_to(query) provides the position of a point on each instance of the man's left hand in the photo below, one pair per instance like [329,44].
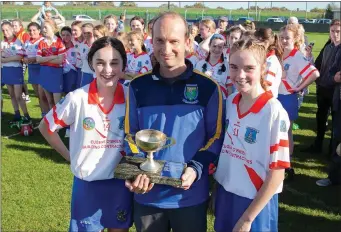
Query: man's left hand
[188,178]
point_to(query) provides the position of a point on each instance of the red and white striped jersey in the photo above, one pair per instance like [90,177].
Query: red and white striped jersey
[255,142]
[148,43]
[138,64]
[273,73]
[296,70]
[96,134]
[9,49]
[56,48]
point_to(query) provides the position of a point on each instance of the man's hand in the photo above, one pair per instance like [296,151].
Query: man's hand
[337,77]
[188,178]
[140,185]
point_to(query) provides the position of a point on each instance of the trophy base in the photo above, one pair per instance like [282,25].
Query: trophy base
[169,173]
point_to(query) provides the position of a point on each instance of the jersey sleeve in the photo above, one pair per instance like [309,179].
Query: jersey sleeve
[279,148]
[62,114]
[304,66]
[19,48]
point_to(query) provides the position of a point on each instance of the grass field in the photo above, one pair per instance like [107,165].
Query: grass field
[36,181]
[26,12]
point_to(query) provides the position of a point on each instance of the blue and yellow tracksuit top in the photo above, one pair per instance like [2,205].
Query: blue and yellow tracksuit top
[191,111]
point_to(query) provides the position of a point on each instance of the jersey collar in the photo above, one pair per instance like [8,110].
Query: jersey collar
[12,41]
[219,62]
[292,53]
[142,53]
[93,96]
[54,39]
[184,76]
[256,107]
[32,41]
[271,53]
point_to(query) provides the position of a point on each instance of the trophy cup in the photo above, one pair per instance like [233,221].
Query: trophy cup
[159,171]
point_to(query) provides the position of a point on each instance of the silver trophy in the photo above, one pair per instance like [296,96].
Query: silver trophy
[150,141]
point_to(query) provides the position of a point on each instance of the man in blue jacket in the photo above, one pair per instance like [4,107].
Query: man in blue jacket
[187,106]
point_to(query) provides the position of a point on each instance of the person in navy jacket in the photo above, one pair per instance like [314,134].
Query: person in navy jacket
[183,104]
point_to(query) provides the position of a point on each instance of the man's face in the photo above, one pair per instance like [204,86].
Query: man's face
[335,33]
[169,42]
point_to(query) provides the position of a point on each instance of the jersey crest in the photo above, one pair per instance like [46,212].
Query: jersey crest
[286,67]
[88,123]
[191,93]
[283,126]
[251,135]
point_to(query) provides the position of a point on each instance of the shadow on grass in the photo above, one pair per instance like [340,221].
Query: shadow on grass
[45,153]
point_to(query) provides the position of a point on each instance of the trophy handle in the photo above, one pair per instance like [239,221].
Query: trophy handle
[131,143]
[172,142]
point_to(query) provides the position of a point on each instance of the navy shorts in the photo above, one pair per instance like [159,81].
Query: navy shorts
[51,78]
[79,77]
[96,205]
[229,207]
[290,104]
[70,81]
[12,76]
[34,73]
[87,78]
[186,219]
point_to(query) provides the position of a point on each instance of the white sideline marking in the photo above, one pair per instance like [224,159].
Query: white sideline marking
[10,136]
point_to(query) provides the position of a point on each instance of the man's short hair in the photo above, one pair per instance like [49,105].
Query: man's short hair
[174,15]
[335,22]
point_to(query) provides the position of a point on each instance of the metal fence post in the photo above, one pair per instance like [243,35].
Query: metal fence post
[202,14]
[99,14]
[186,14]
[17,14]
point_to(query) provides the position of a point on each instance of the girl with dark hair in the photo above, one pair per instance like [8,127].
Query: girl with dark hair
[137,24]
[273,58]
[12,72]
[87,73]
[95,114]
[30,58]
[215,65]
[255,152]
[138,58]
[69,62]
[50,54]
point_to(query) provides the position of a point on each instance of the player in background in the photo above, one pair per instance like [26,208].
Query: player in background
[255,152]
[23,36]
[11,71]
[190,51]
[77,39]
[137,24]
[298,74]
[274,58]
[215,65]
[148,42]
[50,55]
[100,31]
[110,21]
[95,114]
[30,58]
[234,34]
[138,60]
[87,73]
[207,29]
[120,23]
[69,65]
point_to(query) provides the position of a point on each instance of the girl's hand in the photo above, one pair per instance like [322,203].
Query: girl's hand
[26,60]
[242,226]
[308,50]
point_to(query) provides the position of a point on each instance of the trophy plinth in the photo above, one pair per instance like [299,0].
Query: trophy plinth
[159,171]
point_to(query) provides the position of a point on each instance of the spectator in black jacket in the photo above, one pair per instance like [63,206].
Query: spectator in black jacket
[325,89]
[334,173]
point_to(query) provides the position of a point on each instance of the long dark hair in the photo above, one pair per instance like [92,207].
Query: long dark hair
[223,67]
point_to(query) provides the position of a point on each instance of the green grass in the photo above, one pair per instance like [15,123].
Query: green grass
[36,182]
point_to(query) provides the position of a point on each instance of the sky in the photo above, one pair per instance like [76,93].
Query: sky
[230,5]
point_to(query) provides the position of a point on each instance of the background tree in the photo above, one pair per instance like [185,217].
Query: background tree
[28,3]
[128,4]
